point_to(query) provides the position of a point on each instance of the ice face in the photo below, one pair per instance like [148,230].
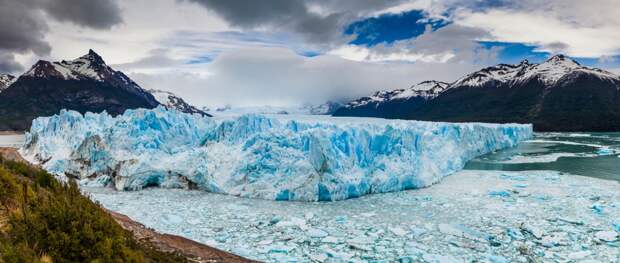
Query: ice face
[279,158]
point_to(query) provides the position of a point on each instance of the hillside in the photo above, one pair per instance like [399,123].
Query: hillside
[43,220]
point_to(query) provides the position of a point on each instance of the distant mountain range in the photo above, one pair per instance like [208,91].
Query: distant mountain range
[85,84]
[327,108]
[558,94]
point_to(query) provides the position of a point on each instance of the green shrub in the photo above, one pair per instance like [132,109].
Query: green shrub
[54,219]
[9,189]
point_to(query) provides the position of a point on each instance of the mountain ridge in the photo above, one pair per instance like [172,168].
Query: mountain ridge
[171,101]
[84,84]
[558,94]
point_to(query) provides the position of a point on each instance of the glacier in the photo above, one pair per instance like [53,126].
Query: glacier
[304,158]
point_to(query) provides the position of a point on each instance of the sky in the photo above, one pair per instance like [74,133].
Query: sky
[297,52]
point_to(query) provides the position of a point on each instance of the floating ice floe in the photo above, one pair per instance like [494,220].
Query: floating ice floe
[453,221]
[279,158]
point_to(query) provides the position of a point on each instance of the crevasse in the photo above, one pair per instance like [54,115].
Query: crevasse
[306,158]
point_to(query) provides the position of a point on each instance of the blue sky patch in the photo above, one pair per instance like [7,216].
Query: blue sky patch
[391,27]
[512,53]
[203,59]
[310,53]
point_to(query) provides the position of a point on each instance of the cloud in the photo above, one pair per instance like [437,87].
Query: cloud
[570,27]
[94,14]
[452,43]
[157,59]
[22,28]
[320,22]
[23,24]
[8,64]
[279,77]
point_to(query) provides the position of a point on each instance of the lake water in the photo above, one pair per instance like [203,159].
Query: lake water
[587,154]
[11,140]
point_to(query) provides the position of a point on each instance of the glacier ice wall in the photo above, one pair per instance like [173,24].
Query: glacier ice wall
[284,158]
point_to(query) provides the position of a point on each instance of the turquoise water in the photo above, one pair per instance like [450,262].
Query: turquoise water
[587,154]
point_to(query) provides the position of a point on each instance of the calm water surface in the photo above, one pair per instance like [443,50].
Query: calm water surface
[11,140]
[587,154]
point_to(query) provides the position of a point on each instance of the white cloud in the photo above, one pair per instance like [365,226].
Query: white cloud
[452,43]
[279,77]
[145,24]
[575,28]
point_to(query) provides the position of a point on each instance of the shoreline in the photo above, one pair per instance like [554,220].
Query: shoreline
[193,251]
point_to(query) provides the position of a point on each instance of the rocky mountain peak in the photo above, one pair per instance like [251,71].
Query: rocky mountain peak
[93,57]
[562,59]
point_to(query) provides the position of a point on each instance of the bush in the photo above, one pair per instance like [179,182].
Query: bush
[55,221]
[9,189]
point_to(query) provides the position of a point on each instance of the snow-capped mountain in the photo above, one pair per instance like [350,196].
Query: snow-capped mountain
[558,94]
[5,81]
[387,103]
[171,101]
[556,68]
[83,84]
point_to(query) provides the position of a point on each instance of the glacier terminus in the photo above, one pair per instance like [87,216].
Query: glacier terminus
[259,156]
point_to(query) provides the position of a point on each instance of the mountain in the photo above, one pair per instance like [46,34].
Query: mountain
[390,104]
[171,101]
[6,81]
[558,94]
[84,84]
[327,108]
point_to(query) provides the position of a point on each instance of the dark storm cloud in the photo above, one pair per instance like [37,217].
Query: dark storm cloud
[23,24]
[8,64]
[94,14]
[296,15]
[22,28]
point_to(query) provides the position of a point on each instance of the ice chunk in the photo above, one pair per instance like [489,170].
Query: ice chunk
[579,255]
[465,232]
[608,236]
[316,233]
[270,157]
[398,231]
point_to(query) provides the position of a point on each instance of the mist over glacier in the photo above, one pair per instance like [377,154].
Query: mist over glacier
[260,156]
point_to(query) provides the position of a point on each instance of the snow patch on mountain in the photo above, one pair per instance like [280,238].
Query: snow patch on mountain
[426,90]
[281,157]
[5,81]
[171,101]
